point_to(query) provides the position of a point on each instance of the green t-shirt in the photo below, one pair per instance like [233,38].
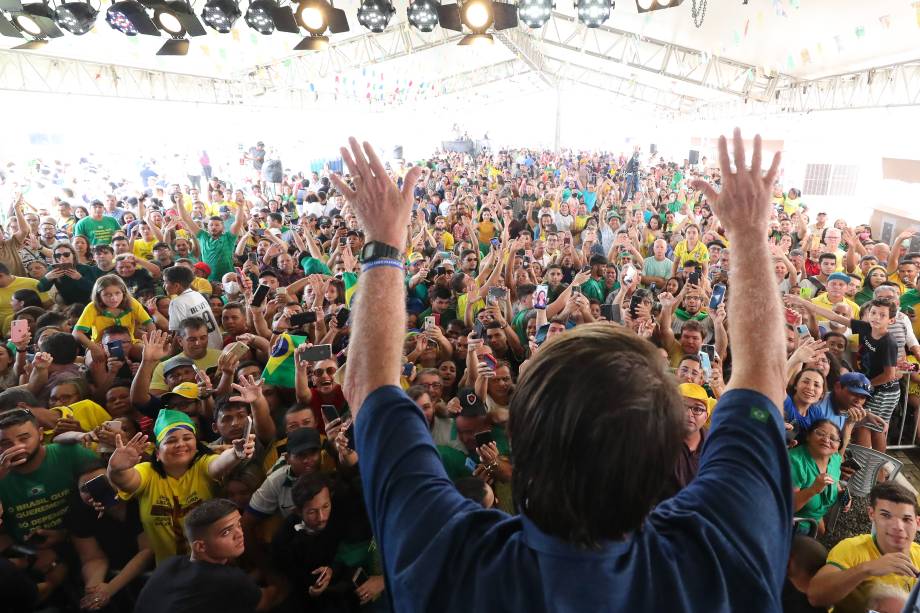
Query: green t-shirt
[654,268]
[97,232]
[910,298]
[804,471]
[594,289]
[41,498]
[217,253]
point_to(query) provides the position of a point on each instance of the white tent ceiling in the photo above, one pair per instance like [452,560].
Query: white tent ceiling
[796,40]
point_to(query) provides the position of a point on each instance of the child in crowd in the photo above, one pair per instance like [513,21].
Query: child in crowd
[112,305]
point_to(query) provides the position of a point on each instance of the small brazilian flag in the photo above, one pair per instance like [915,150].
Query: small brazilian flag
[350,280]
[280,368]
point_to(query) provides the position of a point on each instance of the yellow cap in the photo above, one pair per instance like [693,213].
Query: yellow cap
[694,391]
[186,390]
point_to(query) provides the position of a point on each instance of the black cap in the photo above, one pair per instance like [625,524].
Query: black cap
[471,405]
[303,439]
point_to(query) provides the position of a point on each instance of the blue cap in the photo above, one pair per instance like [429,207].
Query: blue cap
[839,276]
[856,383]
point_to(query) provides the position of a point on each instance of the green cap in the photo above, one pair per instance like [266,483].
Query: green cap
[168,420]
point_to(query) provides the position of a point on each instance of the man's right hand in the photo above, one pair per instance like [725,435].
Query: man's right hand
[743,204]
[891,564]
[155,347]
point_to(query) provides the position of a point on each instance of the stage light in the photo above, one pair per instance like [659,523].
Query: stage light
[220,15]
[535,13]
[76,17]
[593,13]
[313,43]
[130,18]
[644,6]
[477,15]
[375,14]
[8,29]
[259,16]
[176,18]
[423,14]
[36,20]
[168,21]
[316,16]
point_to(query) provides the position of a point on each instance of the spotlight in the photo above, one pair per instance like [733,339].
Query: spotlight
[8,29]
[36,20]
[478,16]
[220,15]
[644,6]
[423,14]
[535,13]
[130,18]
[375,14]
[593,13]
[176,18]
[259,16]
[316,16]
[76,17]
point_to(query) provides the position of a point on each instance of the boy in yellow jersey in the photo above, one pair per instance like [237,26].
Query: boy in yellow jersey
[888,556]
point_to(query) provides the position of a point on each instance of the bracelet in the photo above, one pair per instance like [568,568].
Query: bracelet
[390,263]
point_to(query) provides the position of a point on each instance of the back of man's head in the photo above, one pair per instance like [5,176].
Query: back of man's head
[806,557]
[597,421]
[62,347]
[179,275]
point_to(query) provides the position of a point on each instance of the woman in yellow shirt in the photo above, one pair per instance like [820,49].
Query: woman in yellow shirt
[111,306]
[691,248]
[183,474]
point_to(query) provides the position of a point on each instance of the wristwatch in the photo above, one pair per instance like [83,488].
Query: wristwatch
[376,250]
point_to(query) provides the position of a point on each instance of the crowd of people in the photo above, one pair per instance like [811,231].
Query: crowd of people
[175,426]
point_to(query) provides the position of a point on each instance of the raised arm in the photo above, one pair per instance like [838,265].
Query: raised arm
[186,218]
[755,319]
[375,355]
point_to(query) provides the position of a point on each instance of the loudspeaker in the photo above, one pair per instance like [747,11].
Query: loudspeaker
[653,149]
[398,152]
[694,156]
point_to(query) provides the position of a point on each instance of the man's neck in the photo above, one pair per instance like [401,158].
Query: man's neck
[692,441]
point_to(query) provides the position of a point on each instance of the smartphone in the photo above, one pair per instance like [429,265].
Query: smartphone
[202,377]
[496,295]
[317,353]
[237,349]
[430,323]
[359,578]
[100,490]
[489,360]
[330,413]
[576,289]
[541,296]
[634,303]
[694,278]
[791,316]
[607,312]
[629,273]
[302,319]
[440,270]
[407,369]
[342,317]
[247,430]
[252,257]
[343,240]
[19,330]
[851,462]
[653,287]
[706,363]
[710,351]
[718,293]
[495,243]
[258,297]
[484,438]
[116,349]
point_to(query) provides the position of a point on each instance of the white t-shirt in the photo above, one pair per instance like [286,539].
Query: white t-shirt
[192,304]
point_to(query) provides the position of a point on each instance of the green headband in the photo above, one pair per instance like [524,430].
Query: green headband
[168,420]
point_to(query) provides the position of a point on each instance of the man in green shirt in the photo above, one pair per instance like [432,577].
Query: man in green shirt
[595,288]
[37,482]
[217,246]
[97,228]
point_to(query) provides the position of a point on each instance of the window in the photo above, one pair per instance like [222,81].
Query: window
[830,180]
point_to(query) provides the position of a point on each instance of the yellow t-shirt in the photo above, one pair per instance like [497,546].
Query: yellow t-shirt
[857,550]
[824,303]
[90,415]
[164,502]
[158,384]
[462,299]
[6,293]
[144,249]
[700,253]
[94,323]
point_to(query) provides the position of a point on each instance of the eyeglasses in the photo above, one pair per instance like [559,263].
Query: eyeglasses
[329,370]
[433,385]
[825,436]
[696,410]
[62,254]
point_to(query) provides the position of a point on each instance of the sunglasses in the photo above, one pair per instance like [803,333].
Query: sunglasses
[329,371]
[63,254]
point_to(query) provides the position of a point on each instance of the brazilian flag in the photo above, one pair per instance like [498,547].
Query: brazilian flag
[350,280]
[280,368]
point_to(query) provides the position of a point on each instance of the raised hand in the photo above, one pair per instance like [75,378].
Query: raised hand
[127,455]
[156,346]
[249,388]
[381,207]
[744,202]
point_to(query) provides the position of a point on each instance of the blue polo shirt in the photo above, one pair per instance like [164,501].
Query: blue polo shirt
[721,544]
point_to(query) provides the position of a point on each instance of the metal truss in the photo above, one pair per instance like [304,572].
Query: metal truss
[659,57]
[524,47]
[895,85]
[21,71]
